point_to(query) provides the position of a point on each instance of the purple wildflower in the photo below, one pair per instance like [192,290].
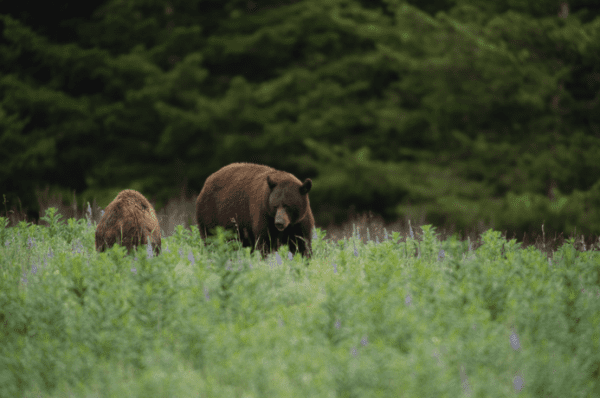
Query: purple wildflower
[514,341]
[149,252]
[89,215]
[441,255]
[518,383]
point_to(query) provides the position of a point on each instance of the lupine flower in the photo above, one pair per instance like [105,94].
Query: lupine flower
[338,324]
[385,234]
[191,258]
[77,247]
[355,251]
[149,252]
[278,258]
[514,341]
[441,255]
[518,383]
[408,300]
[290,257]
[353,351]
[334,268]
[364,341]
[89,214]
[465,382]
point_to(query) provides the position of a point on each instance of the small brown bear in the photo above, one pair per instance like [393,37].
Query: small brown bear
[129,220]
[265,207]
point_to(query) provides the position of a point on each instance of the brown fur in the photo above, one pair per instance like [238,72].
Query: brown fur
[131,217]
[264,206]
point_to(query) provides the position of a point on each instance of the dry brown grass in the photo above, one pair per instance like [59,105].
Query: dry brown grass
[181,210]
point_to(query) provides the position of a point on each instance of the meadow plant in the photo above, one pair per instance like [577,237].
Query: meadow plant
[52,218]
[149,252]
[441,255]
[88,215]
[386,322]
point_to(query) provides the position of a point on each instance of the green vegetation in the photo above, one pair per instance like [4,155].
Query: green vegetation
[411,316]
[464,111]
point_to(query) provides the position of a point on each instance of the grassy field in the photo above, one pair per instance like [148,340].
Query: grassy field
[387,314]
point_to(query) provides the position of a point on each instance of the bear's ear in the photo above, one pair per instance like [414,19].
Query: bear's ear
[306,186]
[271,183]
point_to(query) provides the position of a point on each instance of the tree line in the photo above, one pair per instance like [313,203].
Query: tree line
[460,111]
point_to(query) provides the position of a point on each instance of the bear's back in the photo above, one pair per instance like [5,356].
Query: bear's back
[131,215]
[246,179]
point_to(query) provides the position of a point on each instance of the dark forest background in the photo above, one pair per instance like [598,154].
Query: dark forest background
[459,112]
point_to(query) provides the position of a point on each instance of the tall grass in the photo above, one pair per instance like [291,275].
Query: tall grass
[397,315]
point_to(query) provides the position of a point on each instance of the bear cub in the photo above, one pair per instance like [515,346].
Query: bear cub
[129,220]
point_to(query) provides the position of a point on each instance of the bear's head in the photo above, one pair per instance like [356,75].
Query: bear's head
[288,201]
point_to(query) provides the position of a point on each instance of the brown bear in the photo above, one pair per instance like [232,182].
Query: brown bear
[129,220]
[265,207]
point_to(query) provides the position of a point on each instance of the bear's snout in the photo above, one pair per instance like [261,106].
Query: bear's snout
[282,220]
